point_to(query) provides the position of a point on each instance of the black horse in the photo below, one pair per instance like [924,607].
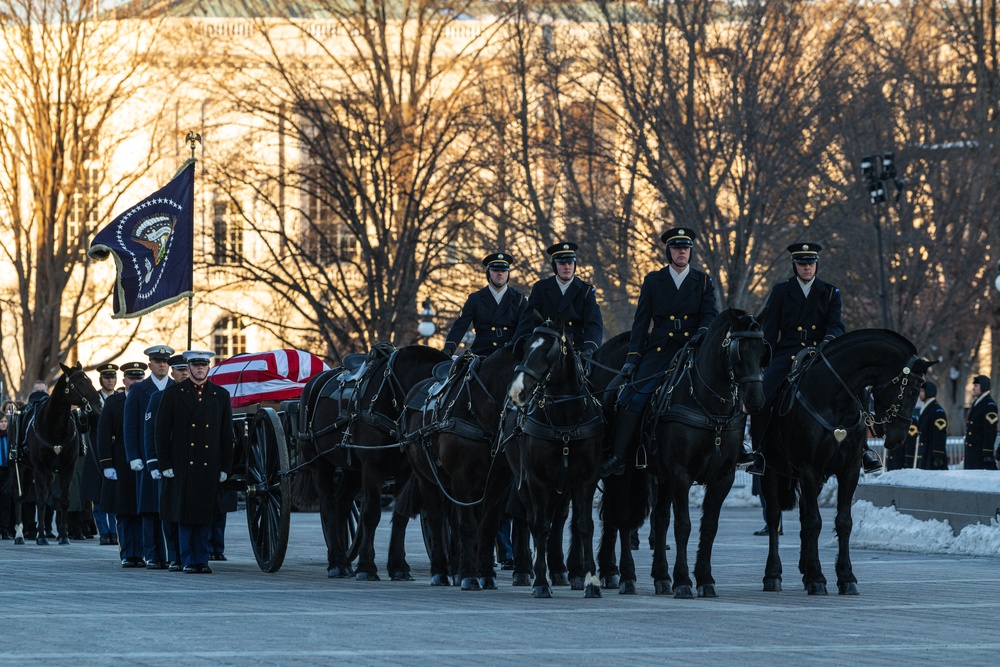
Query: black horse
[351,436]
[555,458]
[700,413]
[818,427]
[453,453]
[52,439]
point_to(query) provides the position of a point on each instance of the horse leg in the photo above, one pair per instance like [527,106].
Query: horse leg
[847,583]
[62,511]
[484,544]
[467,544]
[42,489]
[522,550]
[769,490]
[371,512]
[812,524]
[399,569]
[660,520]
[711,507]
[330,516]
[682,533]
[540,523]
[583,527]
[607,564]
[576,558]
[18,522]
[555,556]
[627,566]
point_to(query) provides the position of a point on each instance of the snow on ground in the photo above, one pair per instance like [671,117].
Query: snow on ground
[885,528]
[978,481]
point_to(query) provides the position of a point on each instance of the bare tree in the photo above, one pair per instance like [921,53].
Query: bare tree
[66,73]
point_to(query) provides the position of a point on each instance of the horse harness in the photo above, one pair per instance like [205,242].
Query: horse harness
[866,418]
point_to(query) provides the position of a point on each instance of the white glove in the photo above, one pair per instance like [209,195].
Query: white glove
[110,473]
[223,477]
[135,464]
[454,357]
[155,474]
[168,473]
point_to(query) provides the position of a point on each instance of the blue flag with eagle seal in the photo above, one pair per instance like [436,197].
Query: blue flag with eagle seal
[153,247]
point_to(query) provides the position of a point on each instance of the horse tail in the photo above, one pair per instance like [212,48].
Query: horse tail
[304,493]
[788,491]
[625,502]
[408,502]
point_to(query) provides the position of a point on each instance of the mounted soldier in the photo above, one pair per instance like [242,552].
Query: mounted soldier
[493,312]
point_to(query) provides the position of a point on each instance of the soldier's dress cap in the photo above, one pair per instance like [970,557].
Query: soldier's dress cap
[805,253]
[108,370]
[498,261]
[133,369]
[178,361]
[679,237]
[563,251]
[198,357]
[983,381]
[159,352]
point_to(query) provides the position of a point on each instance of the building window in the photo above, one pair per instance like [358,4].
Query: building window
[228,228]
[229,338]
[325,238]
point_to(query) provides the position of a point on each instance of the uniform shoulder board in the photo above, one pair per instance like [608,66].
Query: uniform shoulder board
[991,417]
[941,424]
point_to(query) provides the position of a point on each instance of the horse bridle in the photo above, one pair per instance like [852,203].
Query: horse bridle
[86,407]
[731,345]
[559,347]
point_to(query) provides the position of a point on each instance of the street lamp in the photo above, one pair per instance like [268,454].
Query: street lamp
[426,328]
[876,170]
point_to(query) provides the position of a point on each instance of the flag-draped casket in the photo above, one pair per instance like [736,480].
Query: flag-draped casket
[266,376]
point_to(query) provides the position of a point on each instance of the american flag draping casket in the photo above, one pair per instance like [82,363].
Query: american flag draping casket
[266,376]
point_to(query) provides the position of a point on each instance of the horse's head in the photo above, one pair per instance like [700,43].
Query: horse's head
[544,353]
[77,389]
[894,401]
[746,353]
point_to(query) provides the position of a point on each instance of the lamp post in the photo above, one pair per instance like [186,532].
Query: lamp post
[876,170]
[426,328]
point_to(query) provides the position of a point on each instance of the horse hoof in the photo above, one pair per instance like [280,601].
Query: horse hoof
[561,579]
[541,592]
[521,579]
[367,576]
[683,593]
[592,591]
[64,540]
[707,591]
[488,583]
[401,576]
[470,584]
[627,588]
[440,580]
[18,540]
[610,582]
[850,588]
[339,572]
[772,585]
[662,587]
[816,589]
[576,583]
[41,541]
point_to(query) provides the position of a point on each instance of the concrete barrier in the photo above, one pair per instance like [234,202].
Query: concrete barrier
[961,497]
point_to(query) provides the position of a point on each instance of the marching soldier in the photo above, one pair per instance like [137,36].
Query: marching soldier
[153,546]
[679,302]
[981,427]
[194,445]
[932,432]
[93,476]
[567,299]
[493,311]
[801,312]
[119,491]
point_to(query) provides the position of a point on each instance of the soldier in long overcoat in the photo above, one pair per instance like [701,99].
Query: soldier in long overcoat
[493,312]
[932,432]
[119,491]
[194,445]
[981,427]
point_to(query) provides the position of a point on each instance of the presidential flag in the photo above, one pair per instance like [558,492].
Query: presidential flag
[153,247]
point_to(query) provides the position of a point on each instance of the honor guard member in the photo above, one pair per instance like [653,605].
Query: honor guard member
[178,373]
[567,299]
[153,547]
[932,432]
[679,302]
[119,491]
[493,311]
[801,312]
[981,427]
[194,445]
[93,475]
[902,456]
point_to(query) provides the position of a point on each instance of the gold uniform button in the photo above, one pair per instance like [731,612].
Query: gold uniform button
[494,344]
[190,463]
[660,348]
[569,324]
[194,426]
[493,328]
[799,329]
[686,334]
[671,334]
[685,317]
[671,317]
[803,345]
[814,327]
[205,464]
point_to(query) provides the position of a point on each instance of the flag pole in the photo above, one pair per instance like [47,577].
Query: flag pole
[193,139]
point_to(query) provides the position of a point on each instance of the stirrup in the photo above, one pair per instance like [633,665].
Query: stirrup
[758,464]
[645,458]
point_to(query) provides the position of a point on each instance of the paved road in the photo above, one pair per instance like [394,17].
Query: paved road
[75,605]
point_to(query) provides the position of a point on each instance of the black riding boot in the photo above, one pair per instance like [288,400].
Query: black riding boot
[870,461]
[626,438]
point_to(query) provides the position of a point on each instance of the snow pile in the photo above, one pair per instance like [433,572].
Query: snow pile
[977,481]
[885,528]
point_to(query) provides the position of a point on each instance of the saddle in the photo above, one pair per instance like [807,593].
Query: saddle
[436,396]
